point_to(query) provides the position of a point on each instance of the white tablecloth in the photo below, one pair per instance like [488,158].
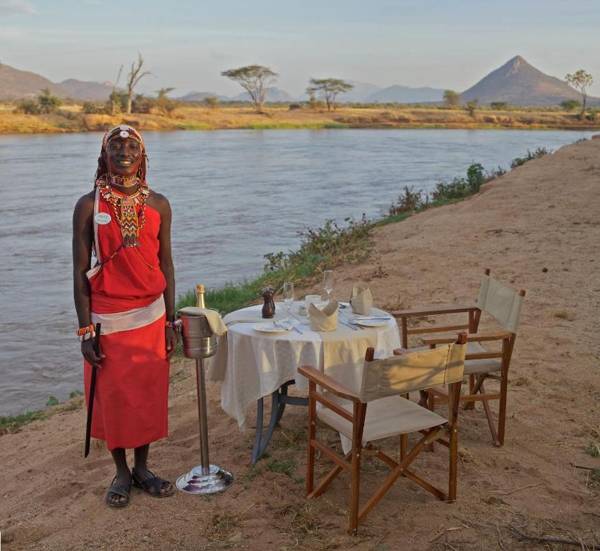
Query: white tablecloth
[252,365]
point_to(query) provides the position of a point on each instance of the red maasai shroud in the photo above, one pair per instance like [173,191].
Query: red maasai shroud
[131,398]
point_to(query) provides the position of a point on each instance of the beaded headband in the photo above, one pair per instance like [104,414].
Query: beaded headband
[122,131]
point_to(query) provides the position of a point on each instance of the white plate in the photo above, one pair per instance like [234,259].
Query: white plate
[269,327]
[370,323]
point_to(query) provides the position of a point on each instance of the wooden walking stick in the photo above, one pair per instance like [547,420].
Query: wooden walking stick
[88,424]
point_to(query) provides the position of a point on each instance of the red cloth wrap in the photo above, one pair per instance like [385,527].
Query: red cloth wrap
[132,384]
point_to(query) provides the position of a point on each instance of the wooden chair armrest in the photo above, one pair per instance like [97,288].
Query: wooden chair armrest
[477,337]
[434,310]
[328,383]
[481,337]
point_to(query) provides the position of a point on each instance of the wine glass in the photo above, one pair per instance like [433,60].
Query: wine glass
[328,283]
[288,295]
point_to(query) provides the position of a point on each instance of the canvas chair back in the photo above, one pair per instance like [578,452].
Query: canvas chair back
[413,371]
[502,303]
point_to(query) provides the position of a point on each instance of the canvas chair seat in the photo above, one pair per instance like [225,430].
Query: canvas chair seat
[389,416]
[488,365]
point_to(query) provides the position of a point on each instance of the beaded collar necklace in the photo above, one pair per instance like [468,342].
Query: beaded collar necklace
[129,210]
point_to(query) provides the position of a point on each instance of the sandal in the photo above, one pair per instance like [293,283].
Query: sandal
[118,490]
[155,486]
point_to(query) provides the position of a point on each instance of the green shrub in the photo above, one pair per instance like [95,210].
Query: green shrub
[47,102]
[117,102]
[142,104]
[28,107]
[211,101]
[471,106]
[570,105]
[93,108]
[408,201]
[52,401]
[499,105]
[461,187]
[531,155]
[12,423]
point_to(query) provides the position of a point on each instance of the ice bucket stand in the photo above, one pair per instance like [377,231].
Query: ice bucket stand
[199,343]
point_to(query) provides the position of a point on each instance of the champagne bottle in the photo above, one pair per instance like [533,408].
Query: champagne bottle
[200,296]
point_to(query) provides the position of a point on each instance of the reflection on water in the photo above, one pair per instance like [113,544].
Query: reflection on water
[236,195]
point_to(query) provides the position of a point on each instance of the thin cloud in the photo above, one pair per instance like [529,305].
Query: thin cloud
[16,7]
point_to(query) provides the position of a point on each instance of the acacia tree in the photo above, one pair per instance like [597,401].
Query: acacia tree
[114,100]
[164,103]
[580,80]
[451,98]
[329,89]
[133,78]
[255,79]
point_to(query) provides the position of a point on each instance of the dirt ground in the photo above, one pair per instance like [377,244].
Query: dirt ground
[537,228]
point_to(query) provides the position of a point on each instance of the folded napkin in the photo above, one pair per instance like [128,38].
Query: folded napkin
[217,326]
[362,300]
[325,319]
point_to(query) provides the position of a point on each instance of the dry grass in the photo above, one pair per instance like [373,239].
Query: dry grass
[195,117]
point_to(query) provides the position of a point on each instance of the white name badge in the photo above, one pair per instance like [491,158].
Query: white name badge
[102,218]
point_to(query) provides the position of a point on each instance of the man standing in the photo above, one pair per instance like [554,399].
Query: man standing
[131,292]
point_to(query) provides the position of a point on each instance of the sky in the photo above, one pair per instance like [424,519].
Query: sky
[187,44]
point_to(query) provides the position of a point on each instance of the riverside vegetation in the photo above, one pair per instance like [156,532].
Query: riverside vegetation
[320,248]
[47,116]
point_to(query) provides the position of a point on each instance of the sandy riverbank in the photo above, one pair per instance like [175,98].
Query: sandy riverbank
[71,119]
[537,228]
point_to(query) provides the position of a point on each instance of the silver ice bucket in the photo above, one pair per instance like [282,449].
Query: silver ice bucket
[199,342]
[198,338]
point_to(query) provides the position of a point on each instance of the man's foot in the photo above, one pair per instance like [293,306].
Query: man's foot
[151,484]
[118,493]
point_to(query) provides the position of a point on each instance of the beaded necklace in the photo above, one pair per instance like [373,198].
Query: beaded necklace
[129,210]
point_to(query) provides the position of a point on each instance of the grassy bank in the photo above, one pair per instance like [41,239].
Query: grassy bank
[71,118]
[332,244]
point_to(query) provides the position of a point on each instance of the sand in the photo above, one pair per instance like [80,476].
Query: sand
[537,228]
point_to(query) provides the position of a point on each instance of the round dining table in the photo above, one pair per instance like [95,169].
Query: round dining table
[253,364]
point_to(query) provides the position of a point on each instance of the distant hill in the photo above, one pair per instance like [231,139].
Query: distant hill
[360,92]
[201,96]
[364,92]
[405,94]
[16,84]
[86,90]
[519,83]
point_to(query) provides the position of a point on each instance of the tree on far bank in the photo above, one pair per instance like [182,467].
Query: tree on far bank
[133,78]
[329,89]
[451,98]
[211,101]
[580,80]
[163,102]
[570,104]
[255,79]
[48,102]
[471,106]
[114,100]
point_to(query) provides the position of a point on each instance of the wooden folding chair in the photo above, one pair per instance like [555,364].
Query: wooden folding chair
[504,305]
[378,410]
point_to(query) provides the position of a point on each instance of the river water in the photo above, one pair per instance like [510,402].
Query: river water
[235,195]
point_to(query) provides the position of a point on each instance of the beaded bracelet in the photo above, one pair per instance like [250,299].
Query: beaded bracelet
[173,324]
[86,333]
